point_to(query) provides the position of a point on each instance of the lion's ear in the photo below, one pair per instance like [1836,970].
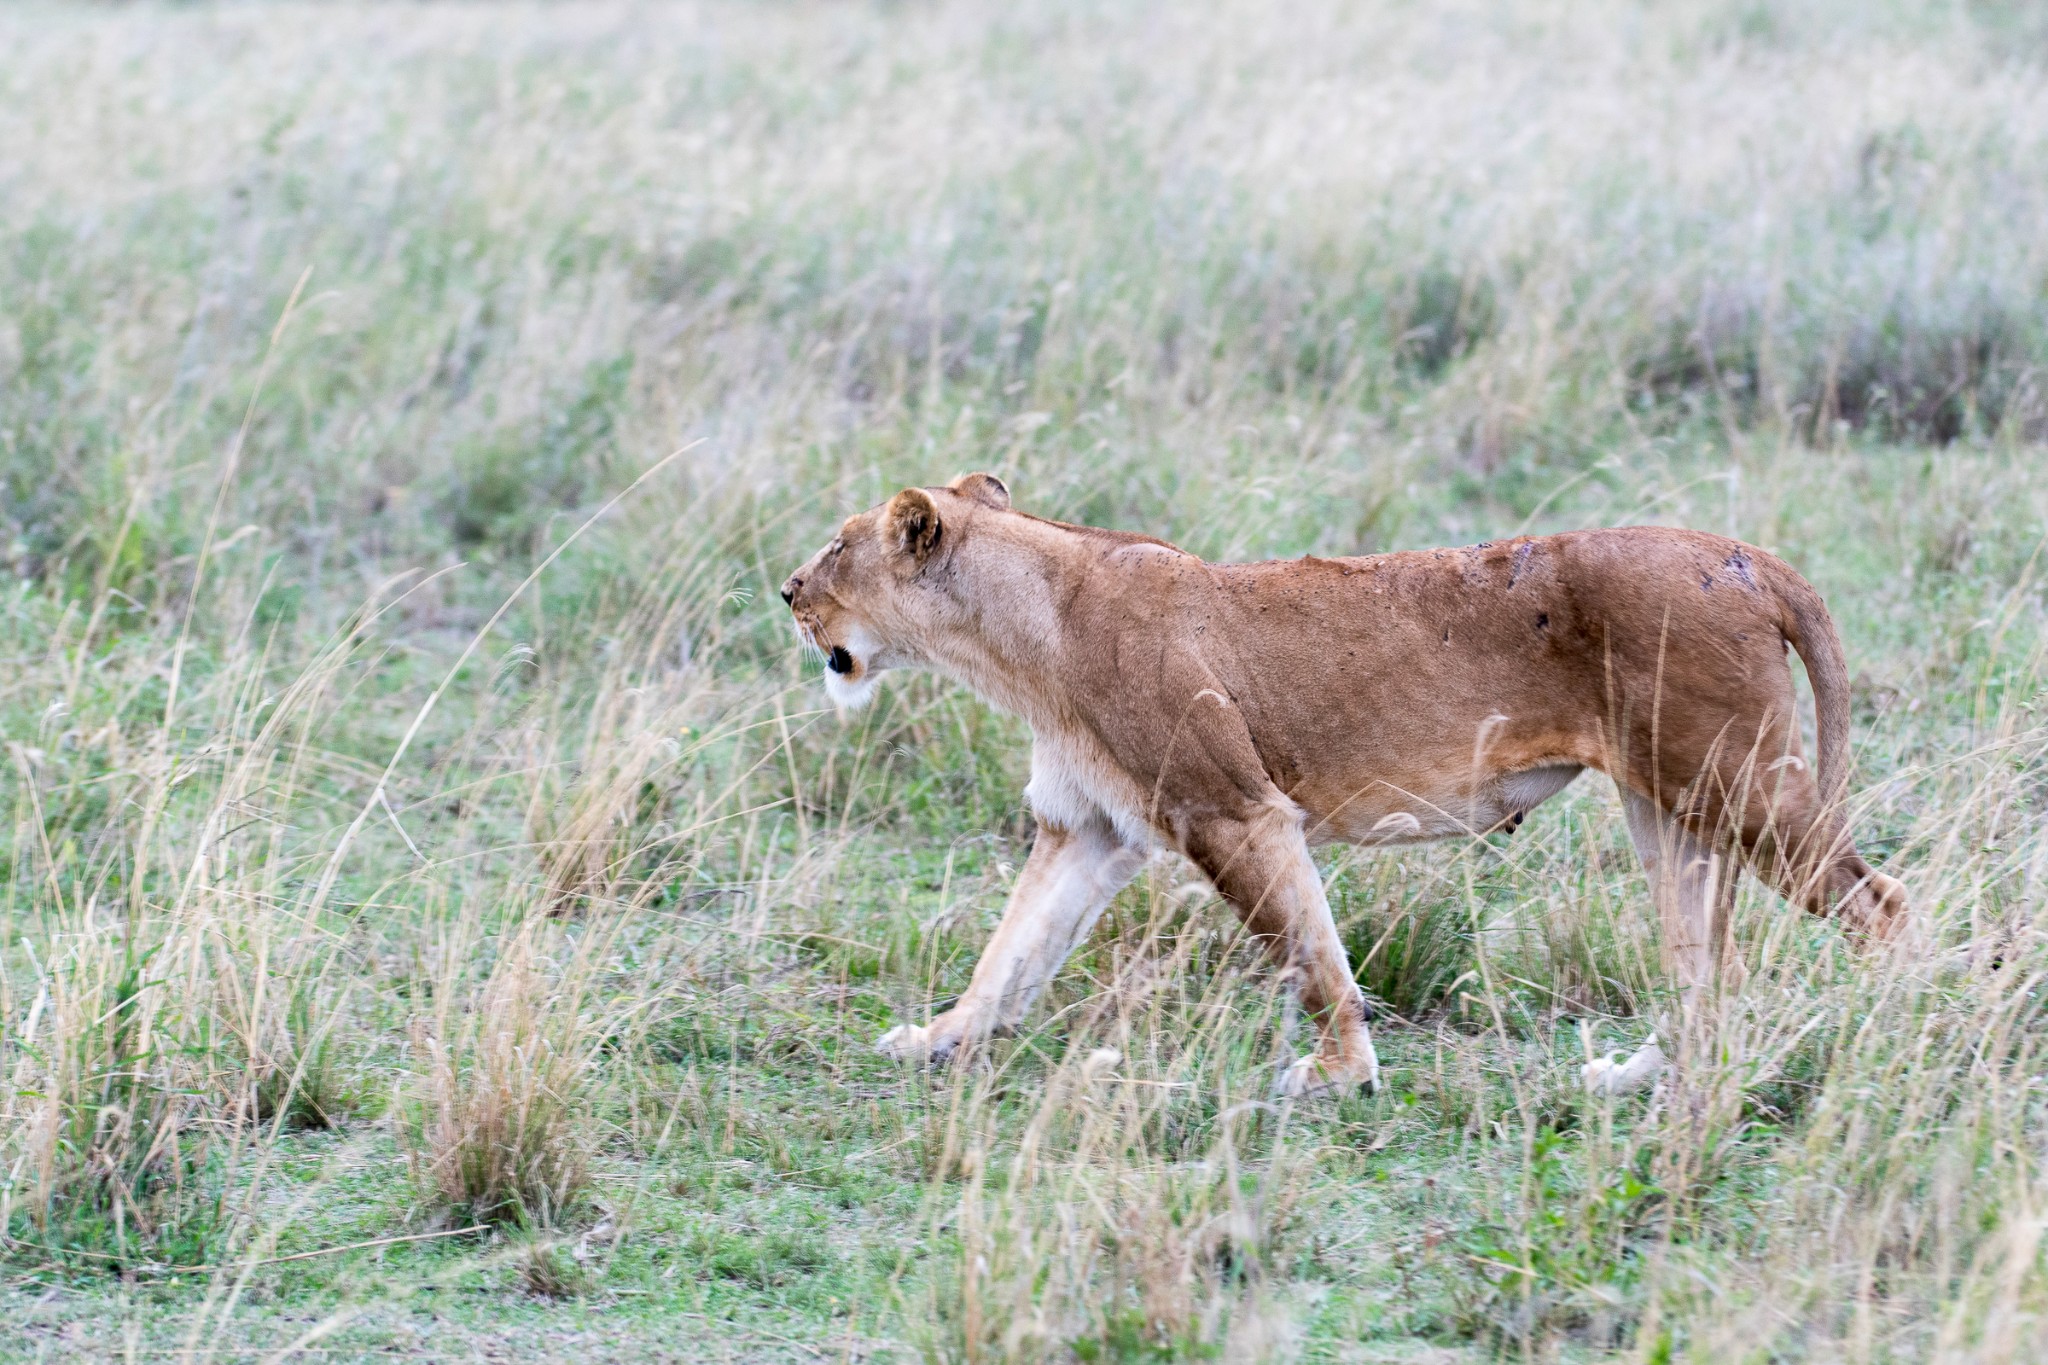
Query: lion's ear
[913,520]
[986,489]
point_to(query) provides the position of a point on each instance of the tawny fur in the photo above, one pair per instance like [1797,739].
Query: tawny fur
[1242,712]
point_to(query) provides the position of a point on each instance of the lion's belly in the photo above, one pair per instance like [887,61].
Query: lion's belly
[1412,750]
[1416,696]
[1417,808]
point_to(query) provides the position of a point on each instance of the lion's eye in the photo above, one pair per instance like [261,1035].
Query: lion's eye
[835,547]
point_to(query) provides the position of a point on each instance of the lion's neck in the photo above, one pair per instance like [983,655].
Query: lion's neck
[1007,669]
[1009,642]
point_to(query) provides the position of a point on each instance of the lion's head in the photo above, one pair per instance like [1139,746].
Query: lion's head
[868,601]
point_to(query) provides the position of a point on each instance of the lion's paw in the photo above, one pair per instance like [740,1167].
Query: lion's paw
[927,1044]
[906,1043]
[1605,1076]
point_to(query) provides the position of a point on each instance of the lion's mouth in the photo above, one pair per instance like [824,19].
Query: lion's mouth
[838,658]
[849,678]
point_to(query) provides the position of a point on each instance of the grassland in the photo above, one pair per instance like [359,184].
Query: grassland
[443,920]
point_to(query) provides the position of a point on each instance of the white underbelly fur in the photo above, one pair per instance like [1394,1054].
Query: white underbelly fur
[1073,787]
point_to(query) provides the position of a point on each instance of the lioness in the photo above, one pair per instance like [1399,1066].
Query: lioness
[1241,713]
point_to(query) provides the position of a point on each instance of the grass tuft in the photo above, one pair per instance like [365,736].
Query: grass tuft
[500,1129]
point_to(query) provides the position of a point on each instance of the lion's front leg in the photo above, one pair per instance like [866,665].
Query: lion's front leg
[1261,865]
[1068,879]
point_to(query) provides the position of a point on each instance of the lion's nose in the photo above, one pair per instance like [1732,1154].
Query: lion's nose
[789,590]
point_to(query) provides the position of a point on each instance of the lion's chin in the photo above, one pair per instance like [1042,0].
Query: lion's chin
[850,692]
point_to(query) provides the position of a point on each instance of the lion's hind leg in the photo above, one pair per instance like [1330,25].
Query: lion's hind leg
[1261,865]
[1803,850]
[1693,886]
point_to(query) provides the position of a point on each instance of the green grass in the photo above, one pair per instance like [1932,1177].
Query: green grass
[383,973]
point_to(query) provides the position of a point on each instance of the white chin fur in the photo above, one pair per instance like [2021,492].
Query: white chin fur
[850,694]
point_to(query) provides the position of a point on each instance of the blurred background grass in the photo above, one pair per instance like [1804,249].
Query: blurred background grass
[340,912]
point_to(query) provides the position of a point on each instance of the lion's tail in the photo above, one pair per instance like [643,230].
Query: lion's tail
[1810,630]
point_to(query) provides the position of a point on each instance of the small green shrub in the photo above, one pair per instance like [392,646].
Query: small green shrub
[1570,1257]
[1409,954]
[761,1260]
